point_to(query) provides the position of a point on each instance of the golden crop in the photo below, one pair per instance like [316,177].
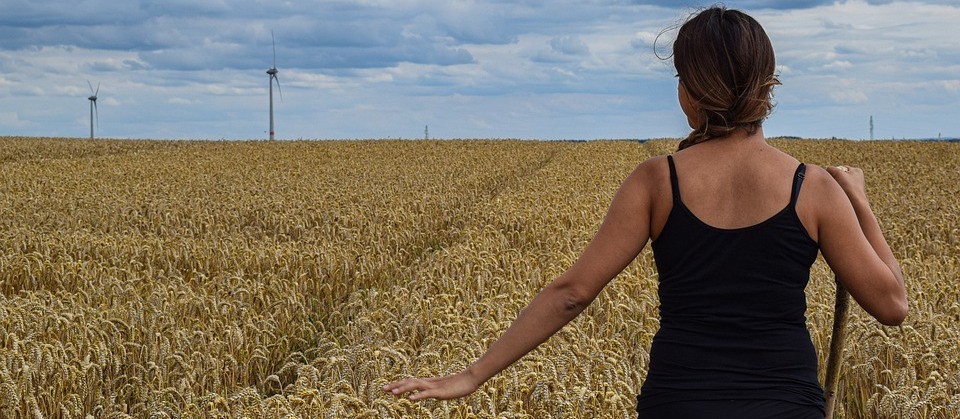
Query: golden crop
[294,279]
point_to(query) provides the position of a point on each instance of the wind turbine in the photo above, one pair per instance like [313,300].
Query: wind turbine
[93,106]
[273,75]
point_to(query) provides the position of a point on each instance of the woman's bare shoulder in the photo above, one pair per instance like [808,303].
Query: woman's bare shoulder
[820,197]
[649,183]
[653,165]
[820,181]
[649,174]
[821,188]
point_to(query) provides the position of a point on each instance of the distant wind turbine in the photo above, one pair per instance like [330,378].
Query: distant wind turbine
[93,106]
[273,75]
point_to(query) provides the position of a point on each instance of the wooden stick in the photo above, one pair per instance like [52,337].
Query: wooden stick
[836,347]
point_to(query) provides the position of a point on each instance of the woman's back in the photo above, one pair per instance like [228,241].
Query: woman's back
[733,183]
[732,278]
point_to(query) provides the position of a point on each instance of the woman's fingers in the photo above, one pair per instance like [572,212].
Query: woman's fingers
[850,178]
[403,386]
[424,394]
[425,387]
[398,387]
[441,388]
[836,170]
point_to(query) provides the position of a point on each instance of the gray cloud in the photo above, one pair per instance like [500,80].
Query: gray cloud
[200,35]
[36,14]
[748,5]
[569,45]
[741,4]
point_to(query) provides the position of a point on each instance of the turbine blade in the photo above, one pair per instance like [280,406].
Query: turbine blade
[279,90]
[98,90]
[97,113]
[90,86]
[273,40]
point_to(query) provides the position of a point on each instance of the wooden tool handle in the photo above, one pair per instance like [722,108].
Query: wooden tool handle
[836,347]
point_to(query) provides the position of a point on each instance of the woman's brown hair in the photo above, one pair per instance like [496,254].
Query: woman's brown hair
[726,63]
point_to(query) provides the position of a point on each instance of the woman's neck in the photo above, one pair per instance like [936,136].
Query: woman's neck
[739,138]
[742,136]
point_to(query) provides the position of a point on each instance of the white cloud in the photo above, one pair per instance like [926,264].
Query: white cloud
[849,97]
[952,85]
[12,120]
[918,53]
[566,73]
[227,90]
[644,39]
[838,65]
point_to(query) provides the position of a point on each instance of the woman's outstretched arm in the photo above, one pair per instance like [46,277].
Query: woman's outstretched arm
[622,236]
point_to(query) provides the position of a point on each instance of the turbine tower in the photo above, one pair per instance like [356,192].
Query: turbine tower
[273,75]
[93,106]
[871,127]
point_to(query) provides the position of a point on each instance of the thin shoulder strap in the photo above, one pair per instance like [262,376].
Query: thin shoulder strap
[674,183]
[797,181]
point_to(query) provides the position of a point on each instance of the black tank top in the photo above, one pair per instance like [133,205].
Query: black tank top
[732,310]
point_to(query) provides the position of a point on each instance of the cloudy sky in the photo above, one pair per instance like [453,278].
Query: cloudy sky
[557,69]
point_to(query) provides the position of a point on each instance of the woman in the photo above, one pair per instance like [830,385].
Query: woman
[735,225]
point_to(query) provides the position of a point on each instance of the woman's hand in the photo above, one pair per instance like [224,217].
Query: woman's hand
[442,388]
[850,179]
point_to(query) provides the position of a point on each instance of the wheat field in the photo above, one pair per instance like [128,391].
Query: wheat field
[170,279]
